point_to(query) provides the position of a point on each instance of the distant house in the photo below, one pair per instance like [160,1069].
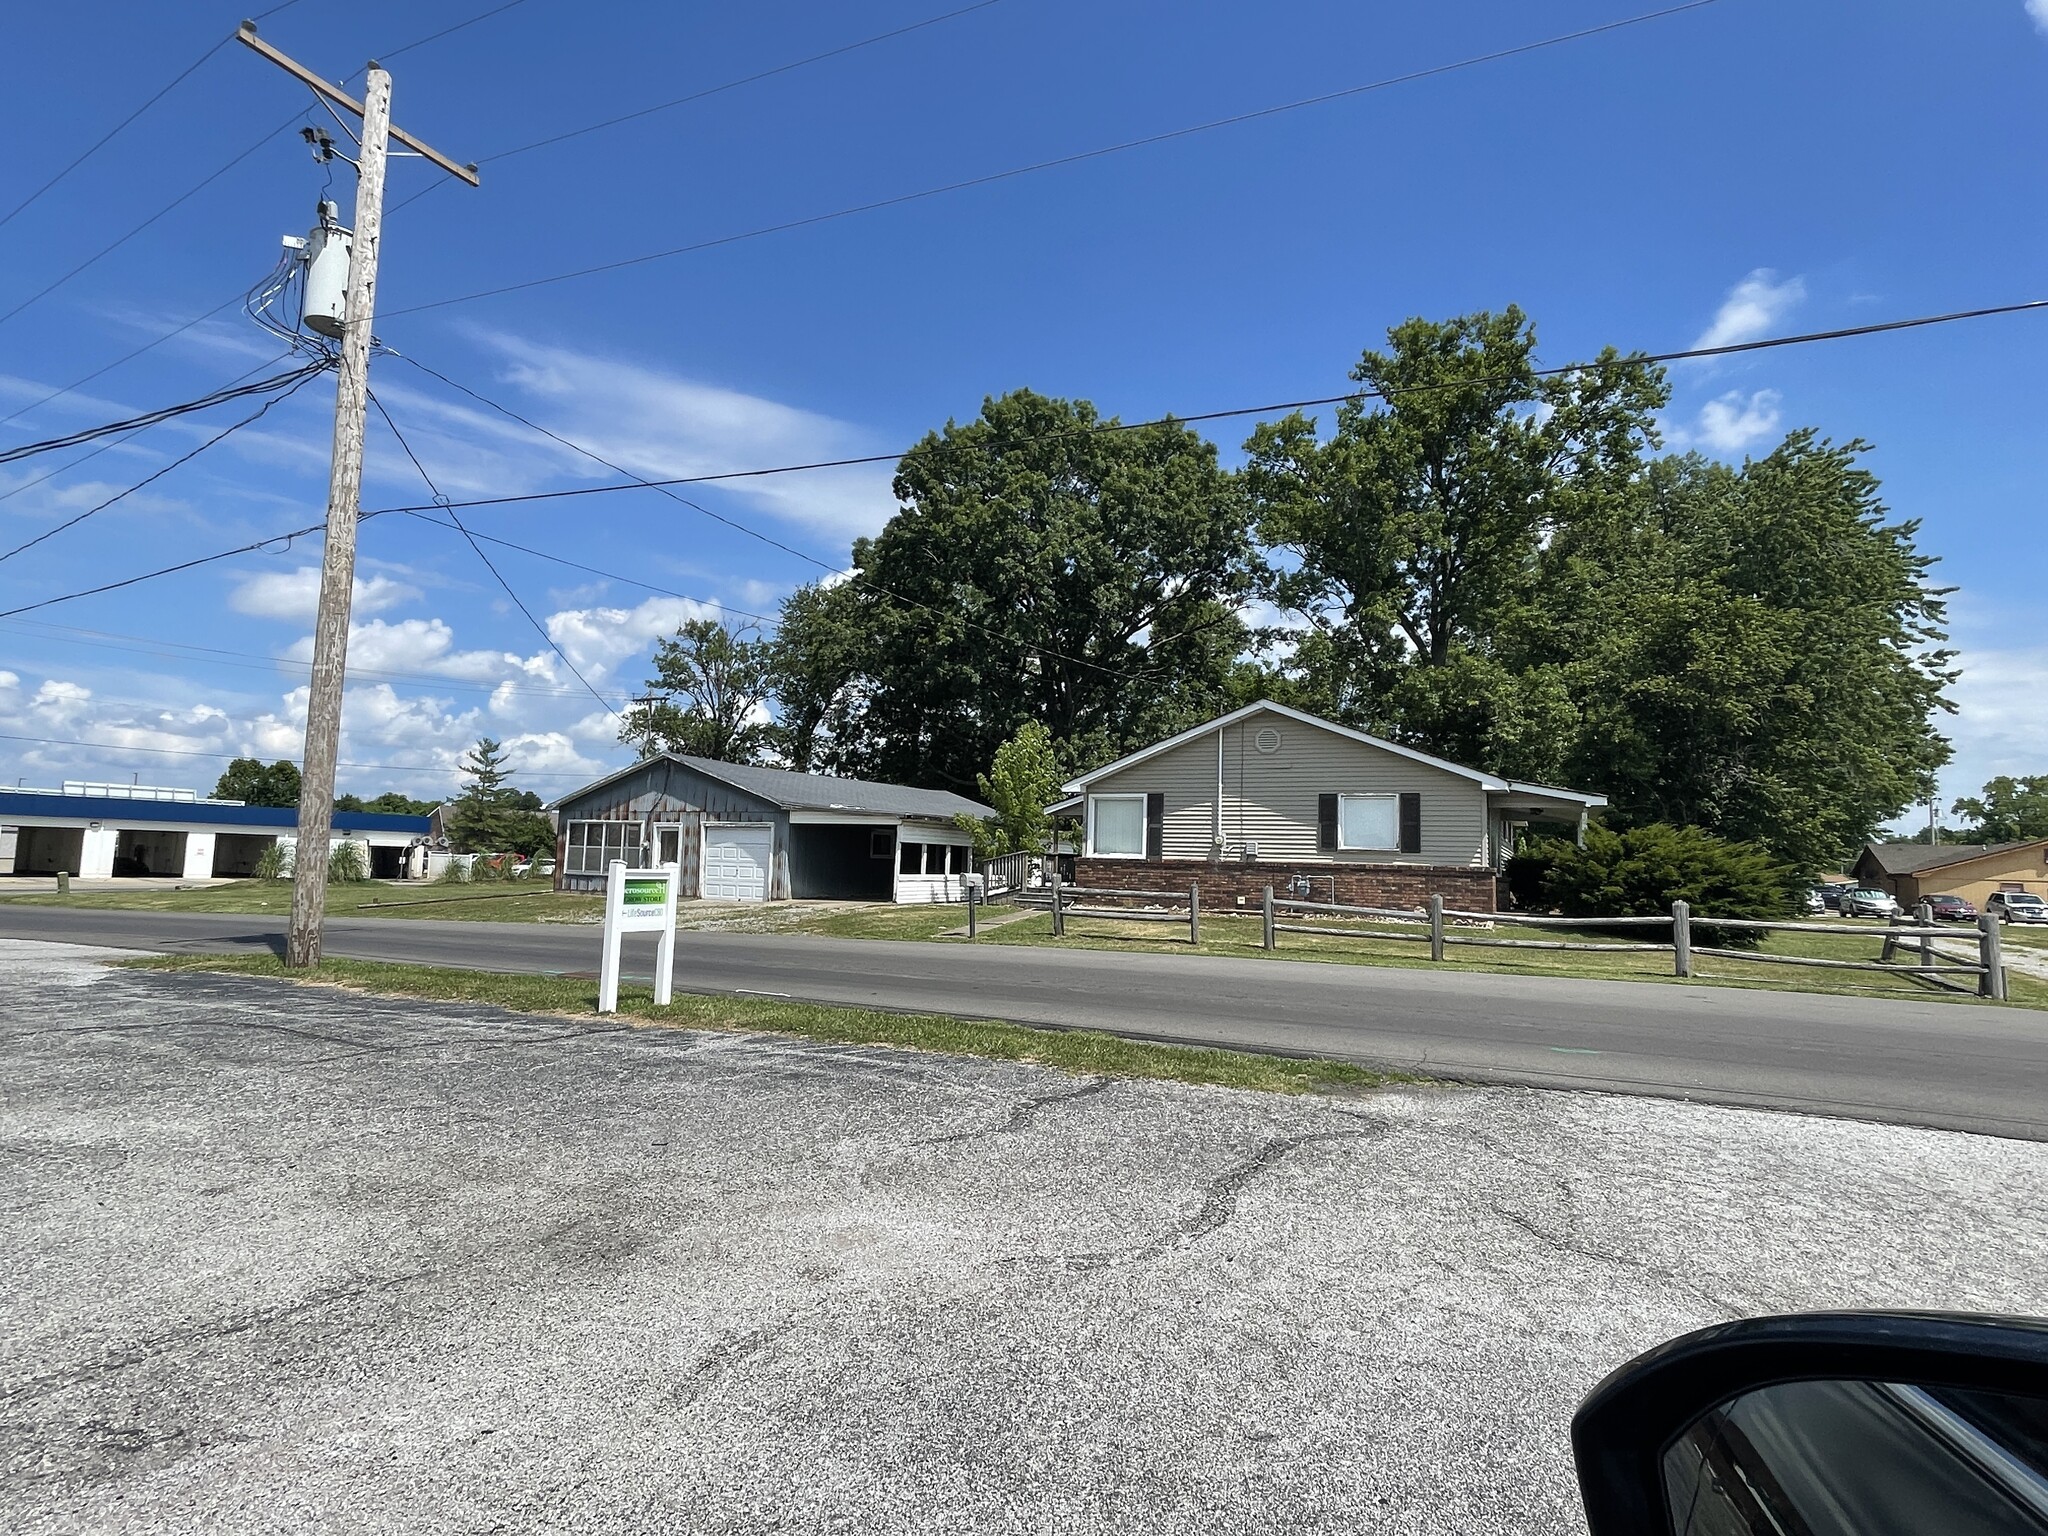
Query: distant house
[1272,795]
[742,833]
[1913,872]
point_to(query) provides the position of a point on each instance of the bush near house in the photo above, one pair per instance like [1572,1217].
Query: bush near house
[1641,872]
[346,865]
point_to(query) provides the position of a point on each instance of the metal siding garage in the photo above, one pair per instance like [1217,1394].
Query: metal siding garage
[736,861]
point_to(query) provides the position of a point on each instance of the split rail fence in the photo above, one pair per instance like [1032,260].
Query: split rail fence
[1911,948]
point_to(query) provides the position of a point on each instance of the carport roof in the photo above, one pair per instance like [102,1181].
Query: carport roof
[118,810]
[792,791]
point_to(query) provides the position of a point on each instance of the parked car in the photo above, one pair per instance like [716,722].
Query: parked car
[1813,903]
[2017,907]
[1952,909]
[1832,893]
[1868,902]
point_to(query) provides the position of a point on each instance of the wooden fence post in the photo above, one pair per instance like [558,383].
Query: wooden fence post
[1436,927]
[1891,937]
[1991,955]
[1059,917]
[1923,917]
[1195,913]
[1269,939]
[1681,938]
[971,904]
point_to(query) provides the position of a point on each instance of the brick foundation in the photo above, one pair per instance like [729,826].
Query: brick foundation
[1358,885]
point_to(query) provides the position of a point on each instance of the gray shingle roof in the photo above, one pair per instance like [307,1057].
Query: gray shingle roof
[1911,858]
[821,792]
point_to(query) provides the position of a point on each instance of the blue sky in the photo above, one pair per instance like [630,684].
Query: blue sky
[1740,169]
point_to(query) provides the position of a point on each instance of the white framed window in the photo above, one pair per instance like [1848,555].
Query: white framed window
[1116,826]
[1369,823]
[594,844]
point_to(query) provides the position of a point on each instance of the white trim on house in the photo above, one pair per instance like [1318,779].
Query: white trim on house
[1267,706]
[1088,841]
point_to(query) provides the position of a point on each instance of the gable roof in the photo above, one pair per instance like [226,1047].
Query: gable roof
[1912,858]
[793,791]
[1486,781]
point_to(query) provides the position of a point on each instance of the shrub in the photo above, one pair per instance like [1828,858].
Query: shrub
[1639,873]
[271,863]
[346,866]
[454,872]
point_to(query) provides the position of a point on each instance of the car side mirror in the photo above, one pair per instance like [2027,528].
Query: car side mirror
[1827,1424]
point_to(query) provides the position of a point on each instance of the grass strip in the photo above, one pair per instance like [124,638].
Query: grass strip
[1087,1052]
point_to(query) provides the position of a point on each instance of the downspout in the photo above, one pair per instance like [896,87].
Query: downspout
[1217,841]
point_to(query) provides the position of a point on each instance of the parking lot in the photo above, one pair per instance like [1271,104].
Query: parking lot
[301,1260]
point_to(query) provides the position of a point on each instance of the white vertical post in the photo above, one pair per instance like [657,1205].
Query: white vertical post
[1991,955]
[608,967]
[1681,938]
[665,946]
[1436,925]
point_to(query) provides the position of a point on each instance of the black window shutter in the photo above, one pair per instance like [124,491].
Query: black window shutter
[1326,823]
[1155,826]
[1411,823]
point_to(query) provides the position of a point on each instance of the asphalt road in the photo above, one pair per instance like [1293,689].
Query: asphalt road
[1947,1065]
[361,1266]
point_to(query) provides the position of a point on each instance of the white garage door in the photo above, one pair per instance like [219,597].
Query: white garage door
[736,862]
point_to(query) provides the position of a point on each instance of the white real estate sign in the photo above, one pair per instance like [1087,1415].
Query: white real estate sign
[638,901]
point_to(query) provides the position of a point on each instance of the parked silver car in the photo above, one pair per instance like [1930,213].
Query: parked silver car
[1868,902]
[2016,907]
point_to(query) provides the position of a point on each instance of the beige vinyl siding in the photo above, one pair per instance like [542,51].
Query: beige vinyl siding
[1271,798]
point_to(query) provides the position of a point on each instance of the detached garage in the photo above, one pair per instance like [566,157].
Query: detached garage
[742,833]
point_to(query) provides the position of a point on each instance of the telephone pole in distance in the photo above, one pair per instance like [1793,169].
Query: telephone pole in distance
[344,488]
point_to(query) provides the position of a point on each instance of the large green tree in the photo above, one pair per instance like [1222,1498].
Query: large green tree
[1412,536]
[707,695]
[490,816]
[2010,810]
[390,803]
[249,780]
[1759,654]
[1045,565]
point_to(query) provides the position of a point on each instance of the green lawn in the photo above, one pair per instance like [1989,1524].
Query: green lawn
[477,903]
[1080,1051]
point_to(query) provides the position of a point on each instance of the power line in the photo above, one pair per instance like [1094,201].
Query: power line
[208,180]
[753,533]
[165,413]
[126,357]
[233,427]
[733,85]
[101,142]
[1637,359]
[1060,160]
[115,442]
[109,746]
[713,90]
[287,538]
[489,565]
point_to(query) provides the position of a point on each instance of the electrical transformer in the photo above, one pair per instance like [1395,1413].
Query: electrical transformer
[325,303]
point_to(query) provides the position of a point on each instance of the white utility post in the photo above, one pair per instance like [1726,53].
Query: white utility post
[344,489]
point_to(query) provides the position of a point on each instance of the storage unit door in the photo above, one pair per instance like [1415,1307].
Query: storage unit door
[736,861]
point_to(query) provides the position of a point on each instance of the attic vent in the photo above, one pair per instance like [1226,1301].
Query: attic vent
[1267,741]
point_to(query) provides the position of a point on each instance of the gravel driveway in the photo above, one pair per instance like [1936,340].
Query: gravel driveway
[293,1260]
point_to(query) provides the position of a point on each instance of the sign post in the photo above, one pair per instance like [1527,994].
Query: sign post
[638,901]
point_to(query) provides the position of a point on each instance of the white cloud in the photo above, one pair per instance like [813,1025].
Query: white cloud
[661,426]
[2001,719]
[1736,421]
[2038,9]
[293,595]
[597,639]
[1754,307]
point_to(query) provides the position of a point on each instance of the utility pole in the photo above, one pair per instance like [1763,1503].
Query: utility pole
[344,489]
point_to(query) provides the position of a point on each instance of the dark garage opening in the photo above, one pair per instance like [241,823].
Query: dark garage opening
[853,863]
[48,850]
[387,863]
[236,853]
